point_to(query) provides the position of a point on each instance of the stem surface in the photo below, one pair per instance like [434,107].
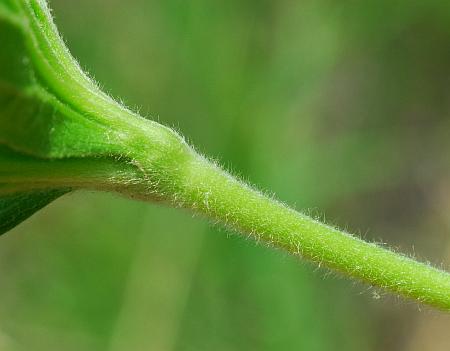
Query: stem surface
[209,190]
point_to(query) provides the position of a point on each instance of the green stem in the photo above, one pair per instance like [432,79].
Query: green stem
[210,191]
[107,147]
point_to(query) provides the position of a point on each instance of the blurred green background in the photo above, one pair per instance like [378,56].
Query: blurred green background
[342,109]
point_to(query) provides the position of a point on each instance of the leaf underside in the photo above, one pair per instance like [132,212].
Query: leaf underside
[31,121]
[15,208]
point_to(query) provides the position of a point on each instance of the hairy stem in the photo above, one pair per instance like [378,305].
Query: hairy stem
[81,138]
[210,191]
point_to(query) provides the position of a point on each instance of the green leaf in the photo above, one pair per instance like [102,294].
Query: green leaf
[32,119]
[15,208]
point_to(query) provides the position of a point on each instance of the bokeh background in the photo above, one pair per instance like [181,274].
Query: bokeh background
[342,109]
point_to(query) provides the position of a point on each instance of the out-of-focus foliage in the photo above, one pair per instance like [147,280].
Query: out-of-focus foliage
[305,98]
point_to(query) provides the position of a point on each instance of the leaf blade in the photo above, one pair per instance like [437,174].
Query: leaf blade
[16,208]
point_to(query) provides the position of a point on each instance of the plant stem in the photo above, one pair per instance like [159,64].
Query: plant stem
[210,191]
[88,140]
